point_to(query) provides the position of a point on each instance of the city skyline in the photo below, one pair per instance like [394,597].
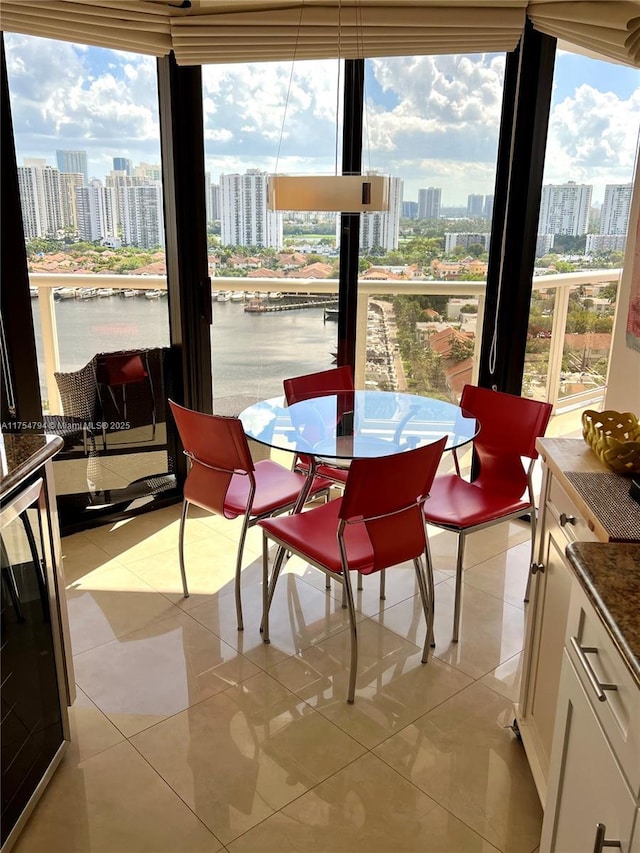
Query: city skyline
[432,121]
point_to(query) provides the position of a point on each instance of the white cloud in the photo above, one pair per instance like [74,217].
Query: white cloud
[593,138]
[73,97]
[433,120]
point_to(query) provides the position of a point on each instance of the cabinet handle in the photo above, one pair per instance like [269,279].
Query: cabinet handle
[582,652]
[537,567]
[566,519]
[600,840]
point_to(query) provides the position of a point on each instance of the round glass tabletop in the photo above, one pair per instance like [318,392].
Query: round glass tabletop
[357,424]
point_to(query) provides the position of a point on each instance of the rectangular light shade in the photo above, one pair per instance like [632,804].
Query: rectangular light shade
[344,193]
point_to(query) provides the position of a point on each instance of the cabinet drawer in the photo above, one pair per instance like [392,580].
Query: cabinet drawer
[568,516]
[617,710]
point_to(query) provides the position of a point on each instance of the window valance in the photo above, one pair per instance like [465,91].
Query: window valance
[209,31]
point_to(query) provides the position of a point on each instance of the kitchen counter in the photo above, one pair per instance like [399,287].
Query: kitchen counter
[609,573]
[23,453]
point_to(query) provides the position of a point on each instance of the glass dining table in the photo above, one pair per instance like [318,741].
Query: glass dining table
[336,428]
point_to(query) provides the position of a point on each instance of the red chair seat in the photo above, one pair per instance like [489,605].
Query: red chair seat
[336,475]
[315,534]
[458,504]
[275,486]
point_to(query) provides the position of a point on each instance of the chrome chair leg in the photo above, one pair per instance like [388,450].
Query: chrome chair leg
[353,664]
[238,579]
[458,591]
[265,589]
[423,587]
[183,520]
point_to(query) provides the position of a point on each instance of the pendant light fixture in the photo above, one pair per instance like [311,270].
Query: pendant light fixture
[338,193]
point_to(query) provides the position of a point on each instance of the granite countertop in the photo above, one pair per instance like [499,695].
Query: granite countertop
[609,573]
[23,453]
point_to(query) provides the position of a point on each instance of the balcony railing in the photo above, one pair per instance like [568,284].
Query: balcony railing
[560,285]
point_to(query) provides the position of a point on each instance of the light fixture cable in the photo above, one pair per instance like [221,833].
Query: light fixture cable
[286,101]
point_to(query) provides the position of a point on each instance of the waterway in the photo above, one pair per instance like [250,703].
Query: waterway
[251,353]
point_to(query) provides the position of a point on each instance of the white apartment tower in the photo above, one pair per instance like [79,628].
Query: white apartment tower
[381,230]
[429,203]
[144,222]
[245,218]
[69,182]
[96,211]
[565,209]
[41,200]
[214,211]
[614,215]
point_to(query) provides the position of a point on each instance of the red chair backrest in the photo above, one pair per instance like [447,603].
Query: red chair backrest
[387,493]
[323,383]
[218,442]
[120,369]
[509,427]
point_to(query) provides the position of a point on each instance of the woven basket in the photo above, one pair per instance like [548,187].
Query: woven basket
[615,439]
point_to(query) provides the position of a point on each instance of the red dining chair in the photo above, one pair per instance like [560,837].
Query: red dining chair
[118,370]
[377,523]
[324,383]
[224,480]
[321,384]
[503,489]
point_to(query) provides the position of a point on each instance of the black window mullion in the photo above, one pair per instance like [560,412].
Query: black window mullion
[523,136]
[188,284]
[350,222]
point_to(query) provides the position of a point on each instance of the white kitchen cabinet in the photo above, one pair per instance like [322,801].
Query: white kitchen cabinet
[594,773]
[561,522]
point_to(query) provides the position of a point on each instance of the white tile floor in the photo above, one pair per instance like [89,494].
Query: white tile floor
[191,736]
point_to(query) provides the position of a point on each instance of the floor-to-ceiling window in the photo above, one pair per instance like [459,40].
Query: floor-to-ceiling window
[274,273]
[586,196]
[431,123]
[86,134]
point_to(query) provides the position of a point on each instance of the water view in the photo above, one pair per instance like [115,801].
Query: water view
[251,353]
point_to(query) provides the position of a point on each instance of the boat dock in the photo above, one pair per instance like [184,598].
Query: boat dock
[256,306]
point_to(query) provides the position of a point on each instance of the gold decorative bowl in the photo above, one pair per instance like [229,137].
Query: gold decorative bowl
[615,439]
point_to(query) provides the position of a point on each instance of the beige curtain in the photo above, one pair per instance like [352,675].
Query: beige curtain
[249,30]
[252,30]
[608,28]
[307,31]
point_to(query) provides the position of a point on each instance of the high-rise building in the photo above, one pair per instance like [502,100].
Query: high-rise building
[429,203]
[380,230]
[215,212]
[487,210]
[123,164]
[41,201]
[614,214]
[73,161]
[148,172]
[246,220]
[605,243]
[69,182]
[96,211]
[410,209]
[565,209]
[475,205]
[466,239]
[144,221]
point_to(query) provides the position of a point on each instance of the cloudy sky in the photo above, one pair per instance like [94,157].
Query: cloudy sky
[432,121]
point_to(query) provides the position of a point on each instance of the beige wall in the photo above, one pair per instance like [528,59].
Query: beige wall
[623,391]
